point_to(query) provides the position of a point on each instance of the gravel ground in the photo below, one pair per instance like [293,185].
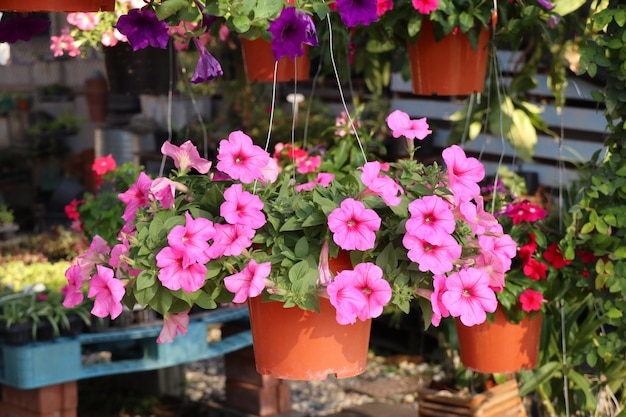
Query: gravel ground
[205,383]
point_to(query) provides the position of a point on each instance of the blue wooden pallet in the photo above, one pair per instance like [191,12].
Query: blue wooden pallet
[129,350]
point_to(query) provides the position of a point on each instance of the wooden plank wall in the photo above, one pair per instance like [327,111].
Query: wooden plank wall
[581,124]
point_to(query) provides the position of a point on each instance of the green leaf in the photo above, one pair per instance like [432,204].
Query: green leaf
[169,8]
[538,377]
[301,249]
[614,313]
[584,386]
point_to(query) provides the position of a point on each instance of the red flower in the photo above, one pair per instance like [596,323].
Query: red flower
[103,165]
[531,300]
[555,257]
[71,210]
[586,256]
[534,269]
[526,251]
[525,212]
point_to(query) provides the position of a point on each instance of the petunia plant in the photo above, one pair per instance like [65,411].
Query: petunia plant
[251,224]
[532,278]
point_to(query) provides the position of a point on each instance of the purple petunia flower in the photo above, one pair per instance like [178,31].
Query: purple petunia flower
[208,68]
[143,28]
[546,4]
[290,31]
[21,28]
[357,12]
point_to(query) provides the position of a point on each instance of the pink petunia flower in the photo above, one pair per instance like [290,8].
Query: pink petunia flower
[83,21]
[383,6]
[531,300]
[249,282]
[163,190]
[309,164]
[136,196]
[402,125]
[377,291]
[524,211]
[192,239]
[425,6]
[346,298]
[464,173]
[230,240]
[431,219]
[186,157]
[353,225]
[240,159]
[173,325]
[494,267]
[270,172]
[242,207]
[381,185]
[503,246]
[108,292]
[436,258]
[96,254]
[323,178]
[73,293]
[439,309]
[468,296]
[176,273]
[323,269]
[103,165]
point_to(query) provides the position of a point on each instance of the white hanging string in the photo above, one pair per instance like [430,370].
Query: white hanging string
[170,90]
[272,108]
[341,94]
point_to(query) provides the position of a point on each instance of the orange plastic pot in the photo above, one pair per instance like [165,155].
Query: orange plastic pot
[449,67]
[259,63]
[501,346]
[57,5]
[294,344]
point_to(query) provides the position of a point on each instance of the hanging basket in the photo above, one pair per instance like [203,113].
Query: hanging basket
[57,5]
[259,62]
[290,343]
[449,67]
[501,346]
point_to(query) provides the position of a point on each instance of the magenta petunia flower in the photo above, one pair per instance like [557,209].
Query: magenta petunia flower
[163,190]
[383,6]
[531,300]
[73,293]
[240,159]
[173,325]
[309,164]
[249,282]
[357,12]
[546,4]
[136,196]
[230,240]
[345,297]
[524,211]
[430,257]
[464,173]
[186,156]
[242,207]
[208,67]
[290,31]
[381,185]
[425,6]
[376,290]
[353,225]
[431,219]
[176,273]
[192,239]
[143,28]
[439,309]
[469,297]
[323,178]
[108,292]
[402,125]
[22,27]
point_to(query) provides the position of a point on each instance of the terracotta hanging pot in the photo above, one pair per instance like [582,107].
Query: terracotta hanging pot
[259,62]
[501,346]
[290,343]
[448,67]
[57,5]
